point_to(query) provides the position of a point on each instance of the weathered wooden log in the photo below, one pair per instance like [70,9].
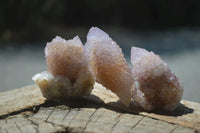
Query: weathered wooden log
[25,110]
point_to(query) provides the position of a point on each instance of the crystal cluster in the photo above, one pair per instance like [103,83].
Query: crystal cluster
[72,70]
[68,71]
[109,65]
[157,87]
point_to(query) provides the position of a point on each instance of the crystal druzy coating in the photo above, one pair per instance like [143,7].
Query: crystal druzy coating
[68,71]
[158,87]
[64,57]
[72,70]
[109,65]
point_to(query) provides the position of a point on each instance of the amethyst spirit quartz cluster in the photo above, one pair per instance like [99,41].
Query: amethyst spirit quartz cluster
[73,68]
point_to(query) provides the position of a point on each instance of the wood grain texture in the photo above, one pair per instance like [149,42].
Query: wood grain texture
[25,110]
[19,99]
[186,114]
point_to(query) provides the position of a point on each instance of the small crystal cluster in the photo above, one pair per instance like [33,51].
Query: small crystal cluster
[158,87]
[68,71]
[73,69]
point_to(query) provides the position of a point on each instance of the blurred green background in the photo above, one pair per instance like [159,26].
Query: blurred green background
[170,28]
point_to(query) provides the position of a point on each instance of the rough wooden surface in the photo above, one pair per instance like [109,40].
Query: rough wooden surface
[25,110]
[187,113]
[19,99]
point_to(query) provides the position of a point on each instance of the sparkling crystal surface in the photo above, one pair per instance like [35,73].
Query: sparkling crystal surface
[158,87]
[68,71]
[109,65]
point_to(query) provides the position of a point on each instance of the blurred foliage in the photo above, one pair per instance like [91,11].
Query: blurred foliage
[23,19]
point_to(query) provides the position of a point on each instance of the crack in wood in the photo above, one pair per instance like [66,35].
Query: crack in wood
[50,114]
[118,116]
[89,120]
[114,125]
[33,109]
[36,126]
[156,119]
[56,125]
[66,115]
[118,120]
[46,121]
[18,127]
[173,129]
[93,114]
[15,113]
[137,123]
[99,117]
[73,118]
